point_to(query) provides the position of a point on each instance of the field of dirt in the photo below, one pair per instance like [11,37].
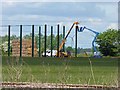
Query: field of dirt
[27,86]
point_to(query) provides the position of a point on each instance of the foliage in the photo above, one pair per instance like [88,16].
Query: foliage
[108,43]
[118,39]
[69,48]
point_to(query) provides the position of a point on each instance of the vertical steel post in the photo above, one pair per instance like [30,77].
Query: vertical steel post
[32,40]
[58,39]
[63,38]
[20,59]
[9,40]
[51,39]
[20,40]
[45,39]
[76,41]
[39,41]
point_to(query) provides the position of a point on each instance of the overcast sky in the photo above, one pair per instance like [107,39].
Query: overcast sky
[98,16]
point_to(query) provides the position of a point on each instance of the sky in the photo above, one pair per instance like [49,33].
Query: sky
[98,16]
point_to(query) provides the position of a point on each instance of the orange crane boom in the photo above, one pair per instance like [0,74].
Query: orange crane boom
[64,40]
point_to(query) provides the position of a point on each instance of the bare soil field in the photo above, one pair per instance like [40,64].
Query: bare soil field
[27,85]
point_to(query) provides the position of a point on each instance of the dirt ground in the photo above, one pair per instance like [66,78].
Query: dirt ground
[49,86]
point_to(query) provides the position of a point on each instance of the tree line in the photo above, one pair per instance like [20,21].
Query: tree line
[109,42]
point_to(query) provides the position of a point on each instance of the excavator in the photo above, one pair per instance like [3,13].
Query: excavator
[59,52]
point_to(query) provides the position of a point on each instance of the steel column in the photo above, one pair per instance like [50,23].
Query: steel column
[58,39]
[51,39]
[45,39]
[63,38]
[76,41]
[9,40]
[20,40]
[32,40]
[39,41]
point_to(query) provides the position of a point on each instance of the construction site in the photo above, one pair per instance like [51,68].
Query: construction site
[29,47]
[29,53]
[65,45]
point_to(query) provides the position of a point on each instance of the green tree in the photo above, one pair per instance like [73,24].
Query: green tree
[118,39]
[4,38]
[14,37]
[27,37]
[108,43]
[69,48]
[48,43]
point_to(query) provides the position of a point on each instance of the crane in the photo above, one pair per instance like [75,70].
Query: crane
[60,53]
[96,53]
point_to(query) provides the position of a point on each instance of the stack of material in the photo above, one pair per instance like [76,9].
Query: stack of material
[15,48]
[26,48]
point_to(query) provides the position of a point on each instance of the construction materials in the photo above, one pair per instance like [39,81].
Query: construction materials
[26,48]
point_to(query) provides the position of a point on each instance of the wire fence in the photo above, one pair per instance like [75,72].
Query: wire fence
[40,38]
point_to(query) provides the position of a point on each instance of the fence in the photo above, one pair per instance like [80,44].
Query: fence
[40,28]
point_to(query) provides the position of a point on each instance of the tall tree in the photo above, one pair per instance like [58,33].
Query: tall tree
[118,39]
[108,43]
